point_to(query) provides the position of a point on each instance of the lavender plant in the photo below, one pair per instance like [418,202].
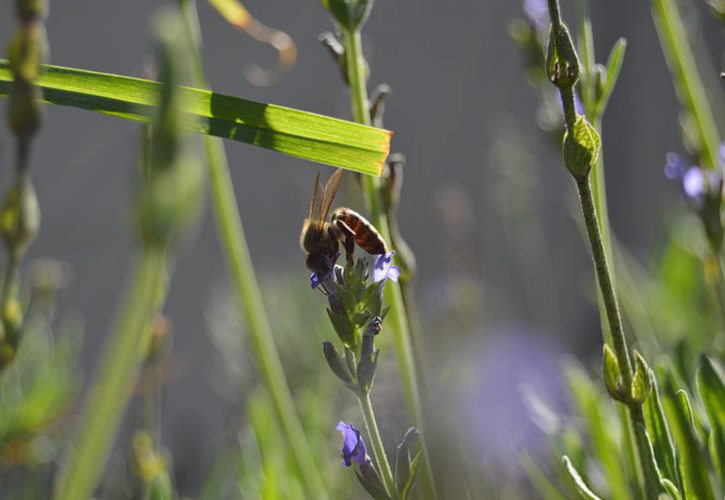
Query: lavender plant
[637,431]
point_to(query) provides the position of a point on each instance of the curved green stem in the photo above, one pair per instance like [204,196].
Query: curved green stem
[246,287]
[118,367]
[381,459]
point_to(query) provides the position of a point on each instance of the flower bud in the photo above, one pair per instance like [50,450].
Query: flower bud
[406,463]
[336,363]
[368,363]
[24,115]
[20,216]
[29,10]
[642,380]
[581,148]
[562,62]
[350,14]
[169,200]
[612,375]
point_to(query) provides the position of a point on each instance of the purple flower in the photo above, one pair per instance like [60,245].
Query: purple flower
[316,280]
[353,447]
[695,182]
[383,268]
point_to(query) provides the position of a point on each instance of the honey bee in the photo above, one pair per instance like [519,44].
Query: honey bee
[320,237]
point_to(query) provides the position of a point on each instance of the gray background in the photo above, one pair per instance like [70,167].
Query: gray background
[457,83]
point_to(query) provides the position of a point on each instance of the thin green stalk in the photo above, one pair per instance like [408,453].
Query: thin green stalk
[681,62]
[377,444]
[118,373]
[371,192]
[569,68]
[615,322]
[588,60]
[246,287]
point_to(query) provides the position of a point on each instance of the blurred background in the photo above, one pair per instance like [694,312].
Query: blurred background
[503,274]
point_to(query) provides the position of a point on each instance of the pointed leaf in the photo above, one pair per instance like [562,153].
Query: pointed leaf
[584,491]
[711,388]
[614,67]
[661,437]
[373,486]
[693,467]
[650,469]
[403,457]
[412,475]
[297,133]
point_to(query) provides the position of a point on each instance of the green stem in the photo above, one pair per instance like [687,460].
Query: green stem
[611,308]
[687,80]
[381,459]
[371,192]
[118,367]
[605,282]
[246,287]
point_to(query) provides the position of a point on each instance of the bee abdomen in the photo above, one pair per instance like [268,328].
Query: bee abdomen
[365,235]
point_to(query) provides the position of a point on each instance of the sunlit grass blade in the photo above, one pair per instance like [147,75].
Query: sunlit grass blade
[686,77]
[290,131]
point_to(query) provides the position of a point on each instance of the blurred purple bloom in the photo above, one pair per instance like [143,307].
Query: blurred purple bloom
[695,182]
[538,13]
[353,447]
[383,268]
[512,396]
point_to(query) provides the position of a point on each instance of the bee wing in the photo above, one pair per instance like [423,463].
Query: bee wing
[315,192]
[328,193]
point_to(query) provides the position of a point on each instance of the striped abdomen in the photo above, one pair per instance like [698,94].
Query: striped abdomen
[362,231]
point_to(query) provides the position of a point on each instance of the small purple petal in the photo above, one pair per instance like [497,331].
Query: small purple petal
[383,268]
[693,183]
[353,447]
[394,273]
[314,280]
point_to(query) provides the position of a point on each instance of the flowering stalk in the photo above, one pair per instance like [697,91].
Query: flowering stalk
[20,216]
[233,241]
[356,73]
[580,150]
[355,304]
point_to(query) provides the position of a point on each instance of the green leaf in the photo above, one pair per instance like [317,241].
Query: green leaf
[598,426]
[661,438]
[584,491]
[650,469]
[686,76]
[290,131]
[693,466]
[614,67]
[711,388]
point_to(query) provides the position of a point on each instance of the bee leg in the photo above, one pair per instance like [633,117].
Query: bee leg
[348,239]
